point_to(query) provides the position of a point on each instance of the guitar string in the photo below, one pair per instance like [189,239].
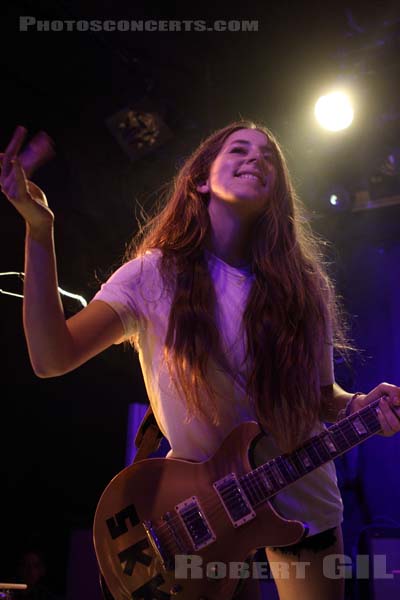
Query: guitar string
[256,486]
[217,506]
[254,482]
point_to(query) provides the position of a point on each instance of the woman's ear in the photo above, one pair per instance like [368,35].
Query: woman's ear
[203,188]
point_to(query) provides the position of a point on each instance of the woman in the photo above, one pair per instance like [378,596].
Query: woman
[226,300]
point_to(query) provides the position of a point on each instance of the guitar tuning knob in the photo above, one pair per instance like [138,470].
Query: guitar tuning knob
[175,589]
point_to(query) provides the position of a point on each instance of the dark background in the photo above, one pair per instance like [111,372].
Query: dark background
[63,439]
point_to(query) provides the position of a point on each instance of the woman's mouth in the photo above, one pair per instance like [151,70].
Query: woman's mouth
[251,177]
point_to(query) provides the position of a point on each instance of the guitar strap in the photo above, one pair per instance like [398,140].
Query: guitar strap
[148,436]
[147,441]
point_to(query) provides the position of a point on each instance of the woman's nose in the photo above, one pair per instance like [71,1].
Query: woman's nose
[255,157]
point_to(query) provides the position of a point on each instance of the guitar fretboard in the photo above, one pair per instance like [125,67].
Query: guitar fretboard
[270,478]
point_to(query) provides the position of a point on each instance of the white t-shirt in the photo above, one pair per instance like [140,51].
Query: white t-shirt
[137,294]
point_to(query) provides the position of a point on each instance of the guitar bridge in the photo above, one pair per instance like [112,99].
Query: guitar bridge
[165,559]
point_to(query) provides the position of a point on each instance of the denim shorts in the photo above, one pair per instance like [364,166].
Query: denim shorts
[317,542]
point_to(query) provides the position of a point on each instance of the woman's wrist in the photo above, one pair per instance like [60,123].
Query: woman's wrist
[42,233]
[349,408]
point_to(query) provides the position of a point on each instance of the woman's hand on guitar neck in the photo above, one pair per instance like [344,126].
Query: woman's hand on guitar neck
[25,196]
[388,409]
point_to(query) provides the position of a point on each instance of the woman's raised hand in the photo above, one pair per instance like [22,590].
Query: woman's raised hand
[16,167]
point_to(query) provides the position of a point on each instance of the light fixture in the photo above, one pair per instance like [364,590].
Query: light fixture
[138,131]
[334,111]
[337,198]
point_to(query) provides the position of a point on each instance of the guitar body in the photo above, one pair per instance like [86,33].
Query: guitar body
[138,526]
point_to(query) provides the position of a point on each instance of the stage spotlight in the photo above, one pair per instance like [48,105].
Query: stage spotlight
[333,199]
[337,198]
[334,111]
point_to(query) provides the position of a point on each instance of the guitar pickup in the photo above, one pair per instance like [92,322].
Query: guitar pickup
[234,500]
[195,522]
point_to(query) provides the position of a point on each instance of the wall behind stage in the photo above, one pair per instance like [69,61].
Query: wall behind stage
[366,249]
[375,273]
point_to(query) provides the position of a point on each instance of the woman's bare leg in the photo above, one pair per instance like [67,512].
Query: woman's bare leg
[296,579]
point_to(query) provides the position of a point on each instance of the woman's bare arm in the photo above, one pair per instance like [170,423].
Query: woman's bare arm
[333,400]
[55,345]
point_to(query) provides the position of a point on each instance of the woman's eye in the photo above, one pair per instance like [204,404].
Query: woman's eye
[267,157]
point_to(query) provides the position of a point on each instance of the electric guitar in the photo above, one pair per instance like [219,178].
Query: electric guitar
[170,528]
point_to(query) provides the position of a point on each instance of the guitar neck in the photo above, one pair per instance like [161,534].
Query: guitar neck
[270,478]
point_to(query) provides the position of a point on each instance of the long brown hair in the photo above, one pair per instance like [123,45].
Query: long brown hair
[288,309]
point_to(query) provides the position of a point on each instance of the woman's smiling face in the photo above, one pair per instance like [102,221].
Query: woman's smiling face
[243,173]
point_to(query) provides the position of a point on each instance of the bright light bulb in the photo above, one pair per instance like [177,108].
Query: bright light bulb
[334,111]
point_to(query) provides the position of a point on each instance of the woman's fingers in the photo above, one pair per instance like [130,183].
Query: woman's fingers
[385,389]
[15,170]
[388,410]
[20,179]
[16,142]
[38,151]
[14,185]
[28,199]
[12,150]
[388,416]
